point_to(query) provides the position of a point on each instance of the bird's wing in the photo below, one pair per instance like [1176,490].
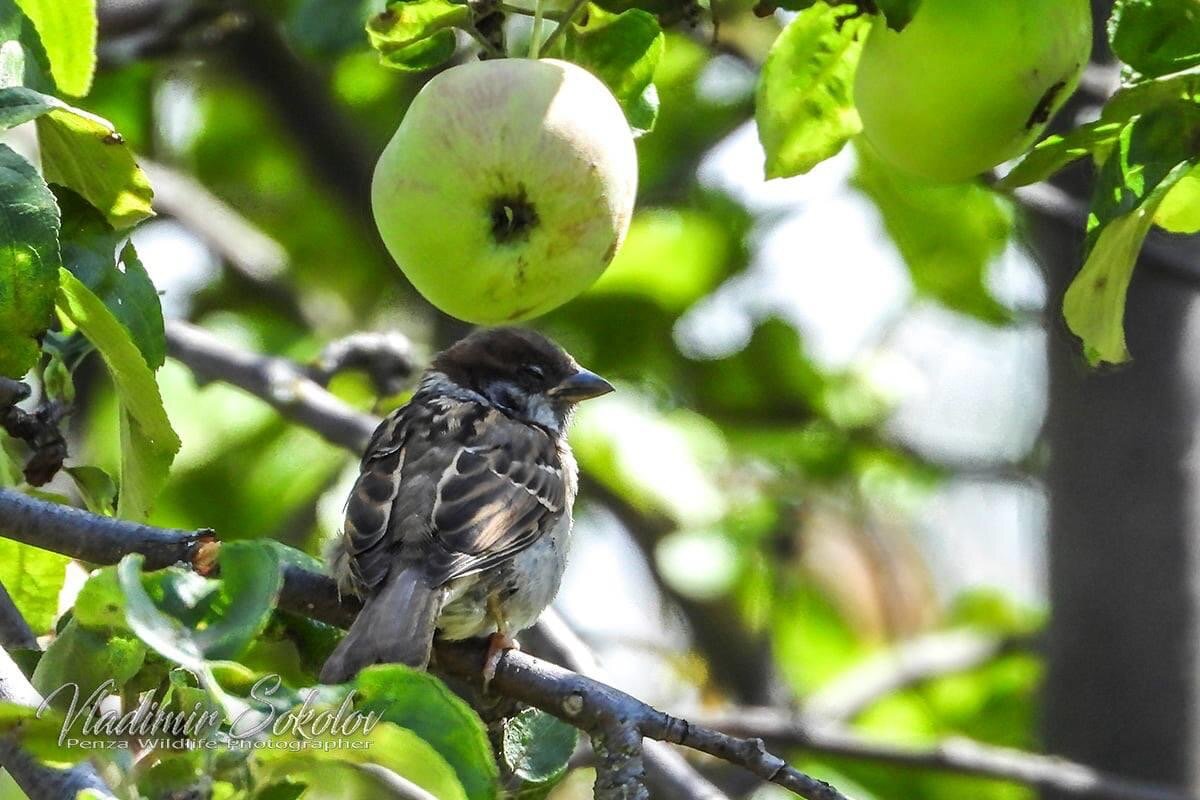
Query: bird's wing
[502,491]
[453,487]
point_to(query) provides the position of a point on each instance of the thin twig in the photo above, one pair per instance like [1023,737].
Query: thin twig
[561,28]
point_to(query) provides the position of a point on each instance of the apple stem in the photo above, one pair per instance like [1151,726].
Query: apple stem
[535,36]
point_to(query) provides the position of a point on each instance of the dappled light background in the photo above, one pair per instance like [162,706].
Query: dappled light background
[831,387]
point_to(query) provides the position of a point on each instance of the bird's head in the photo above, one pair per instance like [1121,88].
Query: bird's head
[521,373]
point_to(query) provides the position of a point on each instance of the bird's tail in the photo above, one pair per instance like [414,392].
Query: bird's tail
[395,626]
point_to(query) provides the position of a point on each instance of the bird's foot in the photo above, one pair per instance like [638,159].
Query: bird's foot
[498,645]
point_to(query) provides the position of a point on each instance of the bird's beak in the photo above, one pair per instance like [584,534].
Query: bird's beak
[581,386]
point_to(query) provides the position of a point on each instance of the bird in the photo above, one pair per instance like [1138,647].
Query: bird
[459,522]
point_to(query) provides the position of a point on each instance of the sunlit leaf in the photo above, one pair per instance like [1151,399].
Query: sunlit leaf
[1156,36]
[29,261]
[537,747]
[90,250]
[148,442]
[33,578]
[85,659]
[622,50]
[1055,152]
[68,32]
[805,100]
[86,154]
[415,35]
[420,702]
[22,58]
[388,746]
[1179,211]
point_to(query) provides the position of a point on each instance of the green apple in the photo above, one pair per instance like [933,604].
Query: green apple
[969,84]
[507,188]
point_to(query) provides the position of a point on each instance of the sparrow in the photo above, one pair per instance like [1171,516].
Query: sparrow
[460,519]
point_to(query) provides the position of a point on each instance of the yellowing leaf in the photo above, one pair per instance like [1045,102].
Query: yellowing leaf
[67,29]
[805,100]
[85,153]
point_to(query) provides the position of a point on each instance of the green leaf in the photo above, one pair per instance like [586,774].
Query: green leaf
[161,632]
[89,247]
[1149,151]
[33,578]
[29,261]
[948,234]
[1094,305]
[68,32]
[420,702]
[1153,153]
[898,13]
[1055,152]
[97,488]
[423,55]
[100,604]
[38,734]
[230,612]
[623,51]
[22,58]
[416,35]
[1179,211]
[249,588]
[537,747]
[19,105]
[87,659]
[86,154]
[1146,95]
[148,443]
[1156,37]
[805,99]
[389,746]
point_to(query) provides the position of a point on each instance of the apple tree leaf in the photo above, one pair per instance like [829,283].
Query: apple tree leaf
[1156,37]
[623,51]
[106,262]
[1179,211]
[22,58]
[416,35]
[33,578]
[536,747]
[29,261]
[148,442]
[1152,154]
[1055,152]
[86,154]
[67,29]
[805,99]
[422,703]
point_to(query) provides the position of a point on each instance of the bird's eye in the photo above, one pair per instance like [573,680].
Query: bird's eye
[534,371]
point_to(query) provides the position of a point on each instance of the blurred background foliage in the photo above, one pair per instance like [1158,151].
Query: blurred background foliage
[807,462]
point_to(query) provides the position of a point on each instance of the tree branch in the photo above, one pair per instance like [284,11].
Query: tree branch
[960,756]
[605,713]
